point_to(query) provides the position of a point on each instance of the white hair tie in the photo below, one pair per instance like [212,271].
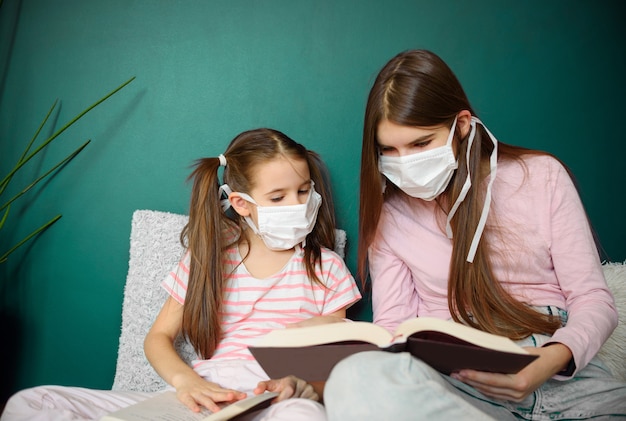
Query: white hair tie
[222,159]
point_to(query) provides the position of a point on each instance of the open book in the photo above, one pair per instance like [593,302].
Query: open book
[166,407]
[311,352]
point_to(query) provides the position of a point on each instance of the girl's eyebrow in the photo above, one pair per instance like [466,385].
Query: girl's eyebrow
[280,190]
[271,192]
[424,138]
[419,139]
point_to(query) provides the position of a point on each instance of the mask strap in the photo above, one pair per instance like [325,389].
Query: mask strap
[466,185]
[493,166]
[451,136]
[225,188]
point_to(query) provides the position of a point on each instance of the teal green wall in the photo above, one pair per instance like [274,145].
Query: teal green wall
[543,74]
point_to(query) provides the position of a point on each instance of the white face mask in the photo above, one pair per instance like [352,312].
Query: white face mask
[282,227]
[423,175]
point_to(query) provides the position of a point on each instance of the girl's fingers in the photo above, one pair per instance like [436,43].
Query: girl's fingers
[261,387]
[210,399]
[310,393]
[190,402]
[288,387]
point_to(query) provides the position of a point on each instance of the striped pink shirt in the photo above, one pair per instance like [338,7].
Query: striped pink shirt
[253,307]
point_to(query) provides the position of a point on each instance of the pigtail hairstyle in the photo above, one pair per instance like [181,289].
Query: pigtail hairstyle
[323,234]
[211,231]
[416,88]
[204,239]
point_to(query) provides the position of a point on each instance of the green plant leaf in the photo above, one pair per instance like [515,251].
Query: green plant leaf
[4,217]
[43,123]
[42,228]
[31,185]
[27,155]
[23,161]
[7,179]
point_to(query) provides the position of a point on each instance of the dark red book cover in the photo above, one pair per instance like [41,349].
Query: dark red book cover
[443,352]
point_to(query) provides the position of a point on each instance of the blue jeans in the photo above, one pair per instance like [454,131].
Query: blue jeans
[382,386]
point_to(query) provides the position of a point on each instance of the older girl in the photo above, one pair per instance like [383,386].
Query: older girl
[457,225]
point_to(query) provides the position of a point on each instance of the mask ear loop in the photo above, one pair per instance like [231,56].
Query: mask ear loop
[466,185]
[225,188]
[493,166]
[225,203]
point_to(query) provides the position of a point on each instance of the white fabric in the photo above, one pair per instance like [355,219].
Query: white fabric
[59,403]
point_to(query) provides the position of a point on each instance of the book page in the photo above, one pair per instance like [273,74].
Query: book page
[325,334]
[162,407]
[466,333]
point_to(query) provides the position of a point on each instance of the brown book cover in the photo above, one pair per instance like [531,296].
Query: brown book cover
[310,353]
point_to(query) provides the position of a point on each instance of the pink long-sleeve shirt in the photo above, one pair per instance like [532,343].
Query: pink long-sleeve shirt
[544,255]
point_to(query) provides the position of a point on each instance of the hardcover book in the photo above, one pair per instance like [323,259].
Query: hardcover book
[311,352]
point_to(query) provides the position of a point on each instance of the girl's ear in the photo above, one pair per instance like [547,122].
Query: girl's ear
[463,120]
[239,204]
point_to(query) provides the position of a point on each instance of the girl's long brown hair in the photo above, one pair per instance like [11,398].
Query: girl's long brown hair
[416,88]
[209,232]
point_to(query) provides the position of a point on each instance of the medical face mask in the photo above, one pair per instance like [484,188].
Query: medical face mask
[282,227]
[423,175]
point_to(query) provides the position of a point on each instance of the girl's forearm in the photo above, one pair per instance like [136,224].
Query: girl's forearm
[163,357]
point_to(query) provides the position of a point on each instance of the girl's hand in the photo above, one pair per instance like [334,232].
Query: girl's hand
[516,387]
[288,387]
[316,320]
[197,392]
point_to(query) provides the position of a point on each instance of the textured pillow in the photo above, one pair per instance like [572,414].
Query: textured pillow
[154,249]
[613,352]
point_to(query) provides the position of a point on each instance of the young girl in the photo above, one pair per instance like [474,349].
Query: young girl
[454,224]
[258,258]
